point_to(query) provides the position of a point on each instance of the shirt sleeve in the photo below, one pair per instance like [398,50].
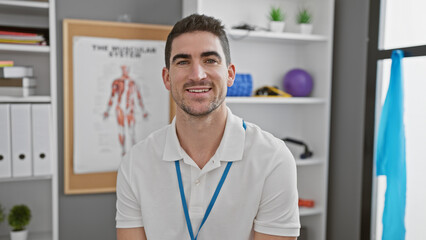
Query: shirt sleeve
[128,213]
[278,212]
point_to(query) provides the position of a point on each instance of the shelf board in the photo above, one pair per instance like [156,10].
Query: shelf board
[304,211]
[275,100]
[24,48]
[282,37]
[26,4]
[308,162]
[33,236]
[30,99]
[18,179]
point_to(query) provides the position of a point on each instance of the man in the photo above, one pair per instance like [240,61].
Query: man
[209,175]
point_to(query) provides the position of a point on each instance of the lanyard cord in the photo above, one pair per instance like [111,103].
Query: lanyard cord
[212,201]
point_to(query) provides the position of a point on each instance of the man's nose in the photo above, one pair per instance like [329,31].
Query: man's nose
[197,72]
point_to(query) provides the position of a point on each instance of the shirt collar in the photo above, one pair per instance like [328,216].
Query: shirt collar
[172,147]
[231,147]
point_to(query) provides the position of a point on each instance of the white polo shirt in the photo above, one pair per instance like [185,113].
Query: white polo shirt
[258,194]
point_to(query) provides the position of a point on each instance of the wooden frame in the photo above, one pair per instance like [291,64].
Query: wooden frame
[105,181]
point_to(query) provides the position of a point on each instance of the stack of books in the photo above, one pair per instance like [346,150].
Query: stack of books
[16,81]
[16,37]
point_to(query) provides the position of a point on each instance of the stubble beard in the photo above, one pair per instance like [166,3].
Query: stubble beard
[213,105]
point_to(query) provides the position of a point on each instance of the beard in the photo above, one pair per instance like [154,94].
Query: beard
[193,110]
[213,105]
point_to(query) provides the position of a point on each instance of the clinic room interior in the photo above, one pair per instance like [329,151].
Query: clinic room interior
[339,83]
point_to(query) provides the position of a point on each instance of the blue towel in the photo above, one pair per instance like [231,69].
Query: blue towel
[391,153]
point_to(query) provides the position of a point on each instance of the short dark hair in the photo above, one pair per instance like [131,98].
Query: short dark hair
[197,22]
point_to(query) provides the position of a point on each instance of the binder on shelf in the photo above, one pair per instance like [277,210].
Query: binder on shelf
[18,82]
[5,148]
[12,33]
[41,139]
[16,36]
[38,36]
[17,41]
[6,63]
[18,87]
[20,121]
[16,71]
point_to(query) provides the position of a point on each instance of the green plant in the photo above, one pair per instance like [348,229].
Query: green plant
[304,16]
[276,14]
[19,217]
[2,215]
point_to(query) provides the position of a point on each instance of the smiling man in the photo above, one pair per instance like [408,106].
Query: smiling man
[208,175]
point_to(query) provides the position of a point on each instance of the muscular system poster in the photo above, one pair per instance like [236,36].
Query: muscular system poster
[119,98]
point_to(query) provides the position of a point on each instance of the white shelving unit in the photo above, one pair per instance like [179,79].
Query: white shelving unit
[308,162]
[268,57]
[39,193]
[20,179]
[305,212]
[33,236]
[30,99]
[26,4]
[283,37]
[275,100]
[24,48]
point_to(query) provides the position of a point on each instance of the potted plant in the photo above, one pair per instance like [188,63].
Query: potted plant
[304,19]
[277,18]
[19,217]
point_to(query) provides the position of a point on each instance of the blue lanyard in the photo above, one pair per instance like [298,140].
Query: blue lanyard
[212,201]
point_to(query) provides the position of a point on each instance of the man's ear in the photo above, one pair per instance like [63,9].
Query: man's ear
[231,75]
[166,78]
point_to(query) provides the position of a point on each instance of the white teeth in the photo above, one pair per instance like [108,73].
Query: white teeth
[198,90]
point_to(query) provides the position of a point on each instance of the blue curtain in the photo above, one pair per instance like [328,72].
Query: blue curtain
[391,153]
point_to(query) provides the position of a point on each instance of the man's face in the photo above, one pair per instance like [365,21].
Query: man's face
[198,76]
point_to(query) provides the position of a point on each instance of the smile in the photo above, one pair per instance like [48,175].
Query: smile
[199,90]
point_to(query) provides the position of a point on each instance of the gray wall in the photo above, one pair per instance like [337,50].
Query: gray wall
[91,217]
[347,119]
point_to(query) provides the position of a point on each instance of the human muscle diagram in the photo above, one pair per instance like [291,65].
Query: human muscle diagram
[119,98]
[125,86]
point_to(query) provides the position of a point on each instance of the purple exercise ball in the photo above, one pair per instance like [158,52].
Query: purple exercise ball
[298,83]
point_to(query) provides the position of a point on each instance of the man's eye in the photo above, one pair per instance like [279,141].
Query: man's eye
[184,62]
[211,61]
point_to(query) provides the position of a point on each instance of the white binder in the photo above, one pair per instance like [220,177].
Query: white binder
[5,155]
[21,140]
[41,139]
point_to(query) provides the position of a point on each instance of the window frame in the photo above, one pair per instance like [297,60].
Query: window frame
[373,56]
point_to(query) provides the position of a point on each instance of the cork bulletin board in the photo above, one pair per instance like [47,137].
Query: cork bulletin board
[101,181]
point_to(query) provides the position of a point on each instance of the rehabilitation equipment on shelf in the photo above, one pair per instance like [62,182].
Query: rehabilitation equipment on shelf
[270,91]
[242,87]
[306,154]
[306,203]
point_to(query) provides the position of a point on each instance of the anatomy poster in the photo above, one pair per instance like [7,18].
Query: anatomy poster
[119,98]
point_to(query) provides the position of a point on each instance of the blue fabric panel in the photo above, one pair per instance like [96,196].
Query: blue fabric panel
[391,153]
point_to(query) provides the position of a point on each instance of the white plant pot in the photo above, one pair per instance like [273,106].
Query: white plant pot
[305,28]
[19,235]
[275,26]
